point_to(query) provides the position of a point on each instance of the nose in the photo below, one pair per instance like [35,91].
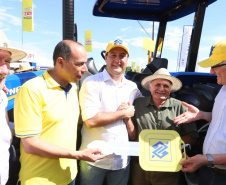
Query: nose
[84,69]
[4,69]
[212,71]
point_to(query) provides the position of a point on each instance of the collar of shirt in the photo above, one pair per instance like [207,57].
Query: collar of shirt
[51,83]
[166,104]
[107,77]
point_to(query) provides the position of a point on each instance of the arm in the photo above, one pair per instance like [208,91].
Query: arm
[36,146]
[197,161]
[131,129]
[192,114]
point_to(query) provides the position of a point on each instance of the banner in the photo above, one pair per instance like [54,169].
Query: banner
[185,45]
[148,44]
[88,41]
[138,69]
[133,66]
[3,40]
[27,16]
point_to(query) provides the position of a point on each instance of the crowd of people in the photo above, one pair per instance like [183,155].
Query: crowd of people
[47,110]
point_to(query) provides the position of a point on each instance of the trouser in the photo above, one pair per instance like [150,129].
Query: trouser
[141,177]
[96,176]
[208,177]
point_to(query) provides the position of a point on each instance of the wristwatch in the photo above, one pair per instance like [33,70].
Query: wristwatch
[210,160]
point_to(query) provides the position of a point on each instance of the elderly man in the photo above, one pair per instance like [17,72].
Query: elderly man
[212,163]
[157,112]
[105,100]
[46,115]
[7,55]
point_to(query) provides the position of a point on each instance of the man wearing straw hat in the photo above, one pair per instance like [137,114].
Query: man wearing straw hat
[7,55]
[25,67]
[157,112]
[212,163]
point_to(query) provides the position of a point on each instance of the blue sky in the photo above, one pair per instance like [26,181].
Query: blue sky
[48,31]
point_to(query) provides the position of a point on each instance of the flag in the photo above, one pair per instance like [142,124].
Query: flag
[185,45]
[4,40]
[133,66]
[88,41]
[148,44]
[27,16]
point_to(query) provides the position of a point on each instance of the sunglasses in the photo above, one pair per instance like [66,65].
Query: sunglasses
[218,66]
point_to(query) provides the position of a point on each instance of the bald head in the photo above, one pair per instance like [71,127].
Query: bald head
[63,49]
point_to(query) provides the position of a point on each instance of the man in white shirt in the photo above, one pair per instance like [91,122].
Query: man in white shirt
[106,102]
[212,163]
[7,55]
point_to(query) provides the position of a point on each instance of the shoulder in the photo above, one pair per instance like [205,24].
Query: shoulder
[174,101]
[141,100]
[95,77]
[34,84]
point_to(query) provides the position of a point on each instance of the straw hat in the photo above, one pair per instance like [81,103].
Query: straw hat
[16,55]
[25,66]
[162,73]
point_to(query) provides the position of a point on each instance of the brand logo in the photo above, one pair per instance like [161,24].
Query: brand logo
[118,42]
[160,149]
[27,12]
[88,41]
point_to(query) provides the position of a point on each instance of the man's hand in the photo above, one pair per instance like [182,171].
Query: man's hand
[192,114]
[90,155]
[128,109]
[194,163]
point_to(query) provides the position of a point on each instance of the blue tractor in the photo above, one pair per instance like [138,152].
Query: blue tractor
[198,89]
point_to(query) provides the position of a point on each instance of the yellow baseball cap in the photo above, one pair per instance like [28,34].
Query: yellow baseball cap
[217,55]
[117,43]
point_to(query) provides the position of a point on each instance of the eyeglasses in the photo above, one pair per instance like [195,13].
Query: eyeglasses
[218,66]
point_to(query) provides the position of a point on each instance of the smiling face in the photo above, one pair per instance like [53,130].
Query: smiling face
[160,90]
[5,59]
[220,72]
[116,60]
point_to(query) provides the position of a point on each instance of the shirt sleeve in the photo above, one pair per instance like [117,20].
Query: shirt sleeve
[27,113]
[89,99]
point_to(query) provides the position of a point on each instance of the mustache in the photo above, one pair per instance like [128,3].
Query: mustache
[2,76]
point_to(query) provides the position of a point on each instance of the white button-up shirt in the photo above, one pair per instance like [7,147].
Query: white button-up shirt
[5,139]
[215,140]
[100,93]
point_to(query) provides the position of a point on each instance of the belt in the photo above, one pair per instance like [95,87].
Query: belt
[218,171]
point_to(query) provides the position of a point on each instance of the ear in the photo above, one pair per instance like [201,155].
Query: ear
[60,62]
[105,57]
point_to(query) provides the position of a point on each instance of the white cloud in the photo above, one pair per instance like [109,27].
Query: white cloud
[9,18]
[50,33]
[136,42]
[173,37]
[99,45]
[43,58]
[142,62]
[126,29]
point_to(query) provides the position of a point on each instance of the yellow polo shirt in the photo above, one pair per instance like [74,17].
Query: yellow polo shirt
[43,108]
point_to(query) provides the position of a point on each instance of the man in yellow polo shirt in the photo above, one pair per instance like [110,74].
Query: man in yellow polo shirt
[46,114]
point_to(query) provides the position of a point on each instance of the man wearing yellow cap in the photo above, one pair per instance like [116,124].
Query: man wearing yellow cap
[7,55]
[106,101]
[212,163]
